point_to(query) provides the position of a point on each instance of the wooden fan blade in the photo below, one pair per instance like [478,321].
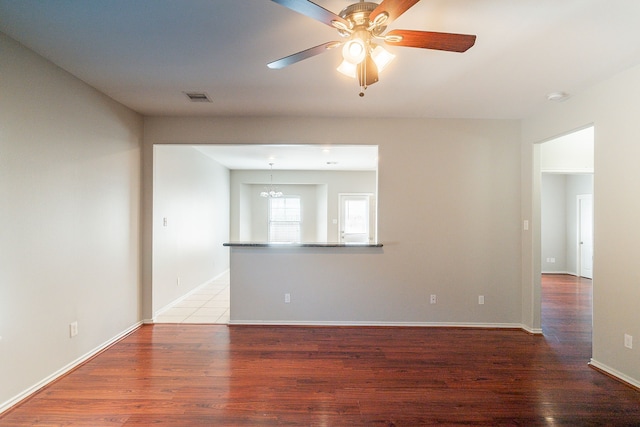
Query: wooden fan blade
[431,40]
[297,57]
[393,8]
[312,10]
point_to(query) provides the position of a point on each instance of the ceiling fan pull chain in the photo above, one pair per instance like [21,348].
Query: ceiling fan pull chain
[363,78]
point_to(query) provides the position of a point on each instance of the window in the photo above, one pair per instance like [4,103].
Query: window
[284,219]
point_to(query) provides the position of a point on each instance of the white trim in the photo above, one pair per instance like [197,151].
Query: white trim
[619,375]
[532,331]
[560,272]
[66,369]
[565,171]
[383,324]
[183,297]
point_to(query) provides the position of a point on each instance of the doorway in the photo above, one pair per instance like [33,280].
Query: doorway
[566,224]
[566,203]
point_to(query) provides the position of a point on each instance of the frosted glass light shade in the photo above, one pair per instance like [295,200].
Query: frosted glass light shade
[381,57]
[347,68]
[354,51]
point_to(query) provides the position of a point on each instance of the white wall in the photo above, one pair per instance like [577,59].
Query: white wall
[554,223]
[319,191]
[571,153]
[70,215]
[449,216]
[612,108]
[191,191]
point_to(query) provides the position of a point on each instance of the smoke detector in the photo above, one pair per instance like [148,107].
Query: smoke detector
[557,96]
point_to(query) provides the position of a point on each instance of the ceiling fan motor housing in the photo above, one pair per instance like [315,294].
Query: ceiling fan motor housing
[358,15]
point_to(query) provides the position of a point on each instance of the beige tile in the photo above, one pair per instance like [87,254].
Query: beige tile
[224,318]
[179,311]
[201,319]
[210,311]
[170,319]
[210,304]
[198,297]
[206,292]
[216,303]
[189,303]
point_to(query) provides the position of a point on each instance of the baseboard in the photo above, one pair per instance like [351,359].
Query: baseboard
[617,375]
[377,324]
[569,273]
[66,369]
[185,296]
[532,331]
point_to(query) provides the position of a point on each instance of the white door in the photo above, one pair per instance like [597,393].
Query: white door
[354,218]
[585,235]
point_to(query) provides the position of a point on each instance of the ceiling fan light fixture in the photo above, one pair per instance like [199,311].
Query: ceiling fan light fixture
[382,57]
[354,51]
[347,68]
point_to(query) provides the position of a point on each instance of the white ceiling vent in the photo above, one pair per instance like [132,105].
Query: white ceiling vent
[198,96]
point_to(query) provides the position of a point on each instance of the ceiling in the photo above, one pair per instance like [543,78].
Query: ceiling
[294,157]
[147,53]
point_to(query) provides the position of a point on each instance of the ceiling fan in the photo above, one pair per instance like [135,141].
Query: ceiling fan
[363,25]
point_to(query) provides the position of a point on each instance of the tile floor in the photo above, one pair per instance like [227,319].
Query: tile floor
[208,304]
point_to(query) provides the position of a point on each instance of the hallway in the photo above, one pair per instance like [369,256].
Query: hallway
[207,304]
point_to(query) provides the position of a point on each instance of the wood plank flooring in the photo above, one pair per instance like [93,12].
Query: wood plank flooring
[214,375]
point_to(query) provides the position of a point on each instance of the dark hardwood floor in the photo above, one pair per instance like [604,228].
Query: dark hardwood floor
[214,375]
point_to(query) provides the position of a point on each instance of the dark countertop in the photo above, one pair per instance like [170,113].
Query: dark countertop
[301,245]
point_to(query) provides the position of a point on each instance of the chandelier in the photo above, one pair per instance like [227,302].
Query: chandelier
[271,191]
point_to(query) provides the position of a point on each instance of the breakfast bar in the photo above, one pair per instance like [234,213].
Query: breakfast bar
[303,283]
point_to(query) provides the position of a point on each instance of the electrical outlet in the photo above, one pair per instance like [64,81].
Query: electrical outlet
[433,299]
[628,341]
[480,299]
[73,329]
[287,298]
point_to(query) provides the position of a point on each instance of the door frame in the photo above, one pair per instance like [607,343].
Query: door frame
[579,198]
